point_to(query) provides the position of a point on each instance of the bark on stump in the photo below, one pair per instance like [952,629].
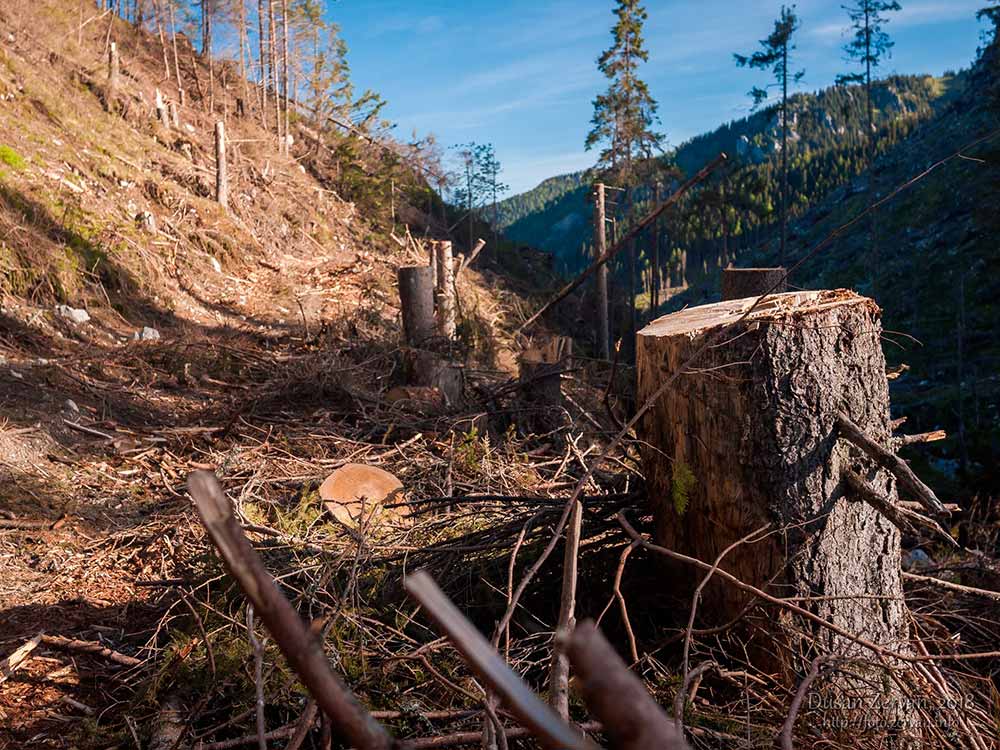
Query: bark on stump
[738,283]
[416,299]
[540,377]
[747,436]
[425,369]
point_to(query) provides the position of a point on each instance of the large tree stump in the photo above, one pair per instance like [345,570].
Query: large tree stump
[748,437]
[738,283]
[540,378]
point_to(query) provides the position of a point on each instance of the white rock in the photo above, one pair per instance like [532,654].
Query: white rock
[146,334]
[215,263]
[189,127]
[74,314]
[69,405]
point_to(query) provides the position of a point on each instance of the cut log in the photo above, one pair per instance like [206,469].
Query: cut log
[748,436]
[444,289]
[738,283]
[416,299]
[356,495]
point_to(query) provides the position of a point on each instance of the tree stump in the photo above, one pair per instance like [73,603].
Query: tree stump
[747,436]
[444,288]
[426,369]
[540,377]
[738,283]
[416,299]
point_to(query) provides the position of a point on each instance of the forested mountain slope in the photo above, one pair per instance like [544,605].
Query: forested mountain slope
[826,148]
[930,272]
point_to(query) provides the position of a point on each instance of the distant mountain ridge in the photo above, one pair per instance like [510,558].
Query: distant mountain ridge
[555,216]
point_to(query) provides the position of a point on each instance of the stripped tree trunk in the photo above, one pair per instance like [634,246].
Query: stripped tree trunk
[748,436]
[221,178]
[738,283]
[601,277]
[262,58]
[113,76]
[444,292]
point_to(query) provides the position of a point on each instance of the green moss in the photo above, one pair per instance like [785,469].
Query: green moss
[681,483]
[11,158]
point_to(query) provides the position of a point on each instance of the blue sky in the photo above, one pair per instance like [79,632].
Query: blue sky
[521,74]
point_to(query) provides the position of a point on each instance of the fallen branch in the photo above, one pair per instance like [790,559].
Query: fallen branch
[303,650]
[543,722]
[908,481]
[957,587]
[90,647]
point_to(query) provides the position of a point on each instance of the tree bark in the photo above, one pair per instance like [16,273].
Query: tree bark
[601,278]
[444,292]
[749,437]
[416,299]
[221,176]
[738,283]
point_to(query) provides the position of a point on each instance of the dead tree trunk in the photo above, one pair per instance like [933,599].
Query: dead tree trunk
[601,277]
[113,76]
[749,436]
[444,292]
[221,178]
[416,299]
[161,111]
[738,283]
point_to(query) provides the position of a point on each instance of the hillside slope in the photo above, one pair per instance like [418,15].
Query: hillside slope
[146,332]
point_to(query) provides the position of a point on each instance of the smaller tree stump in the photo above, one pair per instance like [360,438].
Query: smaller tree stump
[738,283]
[416,299]
[540,377]
[444,292]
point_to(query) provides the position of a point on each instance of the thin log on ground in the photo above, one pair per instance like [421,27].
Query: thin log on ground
[302,649]
[544,723]
[617,697]
[90,647]
[908,481]
[625,241]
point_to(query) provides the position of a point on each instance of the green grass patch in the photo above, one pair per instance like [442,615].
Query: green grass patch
[11,158]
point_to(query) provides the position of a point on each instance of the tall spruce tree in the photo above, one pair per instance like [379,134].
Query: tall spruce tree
[867,47]
[624,115]
[775,54]
[990,53]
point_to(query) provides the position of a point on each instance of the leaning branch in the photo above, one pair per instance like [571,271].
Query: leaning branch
[300,647]
[545,724]
[624,241]
[908,481]
[903,519]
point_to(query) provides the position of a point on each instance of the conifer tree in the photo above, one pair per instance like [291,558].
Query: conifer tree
[868,46]
[990,54]
[624,115]
[775,54]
